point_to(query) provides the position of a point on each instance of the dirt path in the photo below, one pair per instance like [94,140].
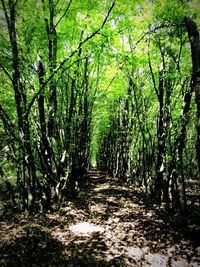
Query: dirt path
[108,225]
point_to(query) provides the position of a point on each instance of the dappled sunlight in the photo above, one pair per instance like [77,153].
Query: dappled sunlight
[110,225]
[101,187]
[136,252]
[98,208]
[157,259]
[100,133]
[85,228]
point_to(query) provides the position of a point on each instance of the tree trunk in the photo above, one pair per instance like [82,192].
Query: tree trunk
[193,35]
[161,143]
[52,47]
[45,149]
[25,152]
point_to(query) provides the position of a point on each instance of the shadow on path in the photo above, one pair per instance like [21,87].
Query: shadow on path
[132,232]
[33,248]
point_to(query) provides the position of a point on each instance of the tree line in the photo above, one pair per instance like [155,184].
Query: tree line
[80,83]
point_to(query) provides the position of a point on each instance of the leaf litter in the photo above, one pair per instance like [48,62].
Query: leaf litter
[108,225]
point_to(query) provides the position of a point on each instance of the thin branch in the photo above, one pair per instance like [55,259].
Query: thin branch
[133,47]
[67,9]
[68,67]
[110,83]
[15,3]
[6,13]
[6,72]
[179,55]
[68,58]
[9,127]
[56,3]
[154,30]
[44,85]
[151,71]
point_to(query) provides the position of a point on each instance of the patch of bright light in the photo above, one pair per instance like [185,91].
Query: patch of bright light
[160,260]
[134,252]
[85,228]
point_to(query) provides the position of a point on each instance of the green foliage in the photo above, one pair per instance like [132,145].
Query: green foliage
[100,89]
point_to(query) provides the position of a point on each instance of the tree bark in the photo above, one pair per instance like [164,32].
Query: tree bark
[193,35]
[25,152]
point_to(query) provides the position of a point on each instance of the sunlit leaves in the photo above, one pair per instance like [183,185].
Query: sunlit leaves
[118,70]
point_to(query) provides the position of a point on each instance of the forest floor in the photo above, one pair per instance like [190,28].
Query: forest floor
[109,224]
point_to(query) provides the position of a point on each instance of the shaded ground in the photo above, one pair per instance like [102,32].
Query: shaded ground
[108,225]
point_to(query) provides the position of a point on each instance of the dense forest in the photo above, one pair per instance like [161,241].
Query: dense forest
[91,85]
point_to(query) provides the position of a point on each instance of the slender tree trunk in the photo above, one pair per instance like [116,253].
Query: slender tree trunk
[161,142]
[25,151]
[193,35]
[45,149]
[52,47]
[177,152]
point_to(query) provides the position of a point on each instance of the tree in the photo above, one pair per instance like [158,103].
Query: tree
[101,82]
[45,143]
[193,35]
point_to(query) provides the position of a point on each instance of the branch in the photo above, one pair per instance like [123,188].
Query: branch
[7,123]
[15,3]
[6,13]
[151,71]
[144,35]
[44,85]
[63,14]
[154,30]
[56,3]
[80,45]
[6,72]
[67,59]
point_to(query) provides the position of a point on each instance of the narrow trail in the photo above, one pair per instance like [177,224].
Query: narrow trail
[109,224]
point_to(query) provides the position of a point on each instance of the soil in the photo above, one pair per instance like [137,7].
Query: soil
[109,224]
